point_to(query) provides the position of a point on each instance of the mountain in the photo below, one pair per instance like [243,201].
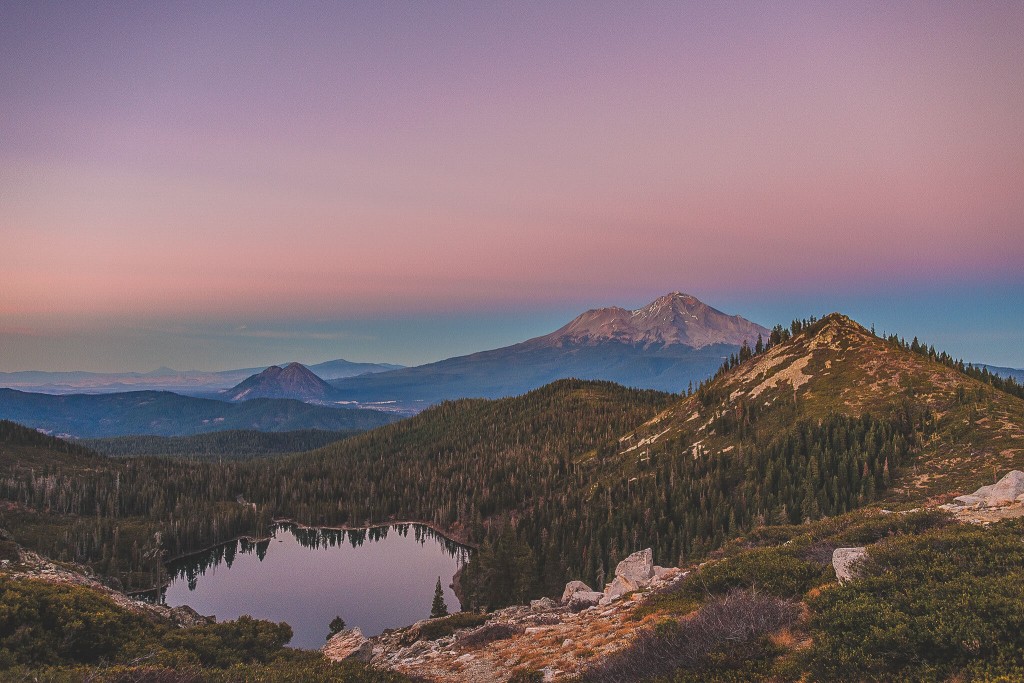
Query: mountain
[336,369]
[1016,373]
[293,381]
[959,428]
[163,413]
[164,378]
[674,341]
[675,319]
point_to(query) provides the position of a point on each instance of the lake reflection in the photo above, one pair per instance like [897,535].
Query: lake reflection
[373,578]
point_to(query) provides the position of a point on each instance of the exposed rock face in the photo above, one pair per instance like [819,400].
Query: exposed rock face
[844,559]
[1004,492]
[638,568]
[583,599]
[348,645]
[572,588]
[619,586]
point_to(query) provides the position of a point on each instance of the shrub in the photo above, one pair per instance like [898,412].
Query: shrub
[439,628]
[489,633]
[926,607]
[727,633]
[776,571]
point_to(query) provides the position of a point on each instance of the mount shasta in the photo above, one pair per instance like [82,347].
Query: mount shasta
[673,341]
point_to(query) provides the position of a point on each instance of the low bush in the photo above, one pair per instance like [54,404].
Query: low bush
[439,628]
[489,633]
[926,607]
[729,633]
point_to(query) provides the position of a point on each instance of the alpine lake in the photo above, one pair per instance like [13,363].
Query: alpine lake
[375,579]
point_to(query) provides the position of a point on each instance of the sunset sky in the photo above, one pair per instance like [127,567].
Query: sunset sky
[216,185]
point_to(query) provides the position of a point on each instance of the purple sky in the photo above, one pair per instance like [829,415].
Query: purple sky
[213,185]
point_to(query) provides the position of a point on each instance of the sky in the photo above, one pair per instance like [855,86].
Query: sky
[213,185]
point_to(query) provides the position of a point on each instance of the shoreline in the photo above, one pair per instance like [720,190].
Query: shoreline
[448,536]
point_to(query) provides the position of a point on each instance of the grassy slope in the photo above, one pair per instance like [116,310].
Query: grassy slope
[838,367]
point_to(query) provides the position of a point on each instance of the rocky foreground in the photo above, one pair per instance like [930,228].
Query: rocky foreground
[560,639]
[557,638]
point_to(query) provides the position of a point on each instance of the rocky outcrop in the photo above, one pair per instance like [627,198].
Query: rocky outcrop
[583,599]
[185,616]
[619,587]
[572,588]
[638,568]
[844,561]
[1008,490]
[349,644]
[543,604]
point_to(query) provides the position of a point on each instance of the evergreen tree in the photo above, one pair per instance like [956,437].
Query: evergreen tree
[438,608]
[337,625]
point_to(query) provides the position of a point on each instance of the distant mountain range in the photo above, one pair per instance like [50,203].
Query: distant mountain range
[167,379]
[672,342]
[1015,373]
[163,413]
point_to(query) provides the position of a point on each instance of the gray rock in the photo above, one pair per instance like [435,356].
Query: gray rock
[616,589]
[1004,492]
[543,604]
[844,561]
[349,644]
[572,588]
[638,568]
[184,615]
[583,599]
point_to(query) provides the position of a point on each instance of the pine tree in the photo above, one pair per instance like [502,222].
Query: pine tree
[438,608]
[337,625]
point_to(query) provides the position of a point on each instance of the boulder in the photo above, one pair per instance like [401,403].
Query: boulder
[572,588]
[638,568]
[185,616]
[350,644]
[665,573]
[616,589]
[1004,492]
[844,559]
[543,604]
[581,600]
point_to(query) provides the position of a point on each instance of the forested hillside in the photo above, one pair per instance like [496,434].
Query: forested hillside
[164,413]
[239,444]
[826,418]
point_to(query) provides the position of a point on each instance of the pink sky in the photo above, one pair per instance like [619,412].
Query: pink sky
[355,159]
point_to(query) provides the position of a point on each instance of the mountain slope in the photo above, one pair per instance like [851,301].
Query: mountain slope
[164,413]
[968,429]
[672,342]
[293,381]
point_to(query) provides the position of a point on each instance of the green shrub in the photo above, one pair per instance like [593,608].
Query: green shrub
[776,571]
[439,628]
[926,607]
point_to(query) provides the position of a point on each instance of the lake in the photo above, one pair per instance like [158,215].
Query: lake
[375,579]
